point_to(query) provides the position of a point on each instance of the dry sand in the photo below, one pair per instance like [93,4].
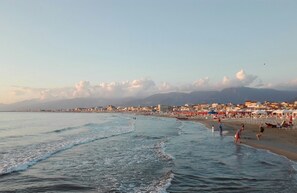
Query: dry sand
[280,141]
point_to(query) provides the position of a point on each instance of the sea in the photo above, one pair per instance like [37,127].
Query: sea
[106,152]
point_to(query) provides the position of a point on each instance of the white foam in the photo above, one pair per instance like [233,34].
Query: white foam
[294,165]
[23,157]
[161,185]
[180,128]
[160,151]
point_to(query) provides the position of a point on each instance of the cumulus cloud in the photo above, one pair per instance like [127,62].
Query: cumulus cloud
[141,88]
[82,89]
[245,79]
[165,87]
[201,83]
[226,81]
[241,79]
[240,75]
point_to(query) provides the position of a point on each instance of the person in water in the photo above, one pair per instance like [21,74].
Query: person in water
[212,128]
[220,127]
[261,131]
[238,135]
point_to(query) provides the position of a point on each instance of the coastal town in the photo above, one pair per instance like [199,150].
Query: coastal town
[230,109]
[274,114]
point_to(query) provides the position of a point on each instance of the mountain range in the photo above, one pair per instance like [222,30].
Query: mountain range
[236,95]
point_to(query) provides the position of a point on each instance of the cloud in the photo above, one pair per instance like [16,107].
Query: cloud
[138,88]
[241,75]
[245,79]
[82,89]
[141,88]
[241,79]
[202,83]
[165,87]
[226,81]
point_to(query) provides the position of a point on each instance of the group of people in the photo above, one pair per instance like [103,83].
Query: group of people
[220,127]
[237,135]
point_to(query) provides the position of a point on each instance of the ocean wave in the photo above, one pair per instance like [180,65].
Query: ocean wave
[64,129]
[160,186]
[23,157]
[147,137]
[52,188]
[88,125]
[180,127]
[15,137]
[160,151]
[10,128]
[294,165]
[92,125]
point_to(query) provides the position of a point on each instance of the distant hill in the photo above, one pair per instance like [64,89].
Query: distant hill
[241,94]
[234,95]
[175,98]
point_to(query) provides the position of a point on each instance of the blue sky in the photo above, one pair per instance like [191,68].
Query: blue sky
[74,48]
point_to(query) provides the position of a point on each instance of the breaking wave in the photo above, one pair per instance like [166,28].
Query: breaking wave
[180,128]
[88,125]
[160,151]
[23,157]
[64,129]
[160,186]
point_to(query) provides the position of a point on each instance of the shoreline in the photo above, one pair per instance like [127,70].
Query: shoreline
[282,141]
[279,141]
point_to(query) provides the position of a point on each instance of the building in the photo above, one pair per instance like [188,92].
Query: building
[163,108]
[111,108]
[252,104]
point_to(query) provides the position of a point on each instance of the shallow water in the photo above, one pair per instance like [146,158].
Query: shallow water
[77,152]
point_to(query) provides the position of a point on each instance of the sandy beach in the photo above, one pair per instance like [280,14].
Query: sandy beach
[277,140]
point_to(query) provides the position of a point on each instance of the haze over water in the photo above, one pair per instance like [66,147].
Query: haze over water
[58,152]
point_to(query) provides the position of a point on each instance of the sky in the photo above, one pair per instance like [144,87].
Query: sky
[56,49]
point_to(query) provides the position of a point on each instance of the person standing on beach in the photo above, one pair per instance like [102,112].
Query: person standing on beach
[261,129]
[212,128]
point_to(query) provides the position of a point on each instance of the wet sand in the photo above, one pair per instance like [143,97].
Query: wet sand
[280,141]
